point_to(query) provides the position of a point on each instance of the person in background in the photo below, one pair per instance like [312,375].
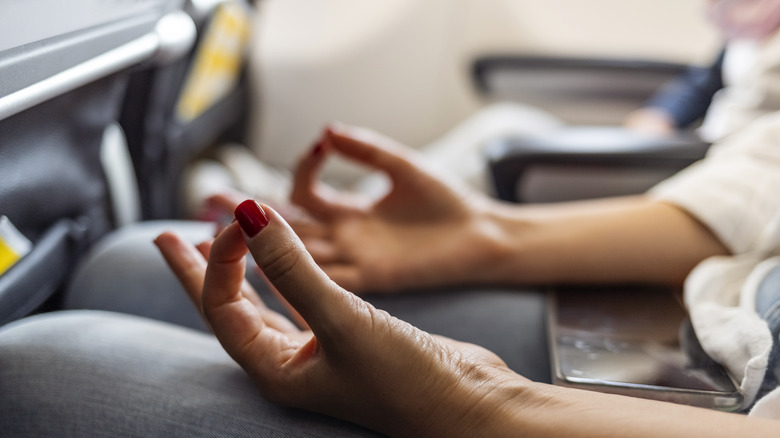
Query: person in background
[741,85]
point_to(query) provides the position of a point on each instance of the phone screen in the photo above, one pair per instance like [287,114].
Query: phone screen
[634,341]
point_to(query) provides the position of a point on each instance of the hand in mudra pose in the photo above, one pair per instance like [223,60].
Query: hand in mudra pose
[355,362]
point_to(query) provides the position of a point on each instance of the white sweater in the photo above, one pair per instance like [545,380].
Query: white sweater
[735,191]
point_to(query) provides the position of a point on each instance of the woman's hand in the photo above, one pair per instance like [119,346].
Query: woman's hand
[651,121]
[426,232]
[357,363]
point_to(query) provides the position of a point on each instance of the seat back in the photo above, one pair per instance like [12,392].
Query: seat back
[173,112]
[62,87]
[576,163]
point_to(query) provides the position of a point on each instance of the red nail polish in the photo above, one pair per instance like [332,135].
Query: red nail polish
[318,149]
[251,217]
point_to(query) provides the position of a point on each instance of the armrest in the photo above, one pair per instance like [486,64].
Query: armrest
[570,88]
[612,161]
[486,70]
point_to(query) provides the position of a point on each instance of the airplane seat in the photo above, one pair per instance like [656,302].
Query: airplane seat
[176,110]
[64,78]
[173,112]
[586,162]
[587,158]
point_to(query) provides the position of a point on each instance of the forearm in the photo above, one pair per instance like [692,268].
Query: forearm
[634,239]
[539,410]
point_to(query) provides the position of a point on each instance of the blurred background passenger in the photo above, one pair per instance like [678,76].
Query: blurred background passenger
[738,86]
[741,85]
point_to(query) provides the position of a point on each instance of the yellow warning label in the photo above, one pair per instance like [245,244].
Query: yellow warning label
[8,257]
[13,245]
[217,64]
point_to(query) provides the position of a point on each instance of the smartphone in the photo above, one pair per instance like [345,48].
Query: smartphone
[634,341]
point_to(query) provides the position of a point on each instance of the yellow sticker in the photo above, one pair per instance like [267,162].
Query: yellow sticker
[8,257]
[13,245]
[217,65]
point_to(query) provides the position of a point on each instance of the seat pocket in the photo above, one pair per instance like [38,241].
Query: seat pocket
[39,274]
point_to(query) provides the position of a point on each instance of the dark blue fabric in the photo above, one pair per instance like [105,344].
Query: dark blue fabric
[687,98]
[768,307]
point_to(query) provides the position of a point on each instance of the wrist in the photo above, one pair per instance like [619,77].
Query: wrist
[502,239]
[497,406]
[484,402]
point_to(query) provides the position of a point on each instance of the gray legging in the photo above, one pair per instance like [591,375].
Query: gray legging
[105,373]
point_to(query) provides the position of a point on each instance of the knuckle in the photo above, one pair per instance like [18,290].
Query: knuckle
[281,261]
[366,317]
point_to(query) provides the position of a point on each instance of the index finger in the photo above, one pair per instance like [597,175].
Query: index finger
[226,201]
[372,149]
[319,200]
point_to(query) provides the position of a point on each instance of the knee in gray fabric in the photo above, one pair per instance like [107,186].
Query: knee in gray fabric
[124,272]
[89,373]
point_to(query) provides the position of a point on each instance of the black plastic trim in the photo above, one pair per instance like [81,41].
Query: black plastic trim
[483,67]
[37,276]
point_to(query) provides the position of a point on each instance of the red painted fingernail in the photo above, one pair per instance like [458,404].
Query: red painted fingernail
[251,217]
[319,148]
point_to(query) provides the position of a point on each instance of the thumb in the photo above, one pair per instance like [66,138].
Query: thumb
[282,257]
